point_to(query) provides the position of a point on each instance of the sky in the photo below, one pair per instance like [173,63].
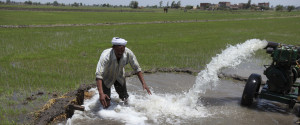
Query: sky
[156,2]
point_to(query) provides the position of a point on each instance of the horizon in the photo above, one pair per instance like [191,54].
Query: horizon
[295,3]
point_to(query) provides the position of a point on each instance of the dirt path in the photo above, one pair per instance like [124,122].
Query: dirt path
[131,23]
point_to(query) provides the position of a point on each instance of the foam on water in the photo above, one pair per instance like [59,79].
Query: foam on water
[157,108]
[167,108]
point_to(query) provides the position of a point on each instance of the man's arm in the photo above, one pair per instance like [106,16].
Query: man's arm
[136,67]
[141,77]
[101,93]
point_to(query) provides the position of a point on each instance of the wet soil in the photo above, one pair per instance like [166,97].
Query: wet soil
[61,108]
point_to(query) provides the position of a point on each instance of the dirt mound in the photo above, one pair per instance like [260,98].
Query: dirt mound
[63,107]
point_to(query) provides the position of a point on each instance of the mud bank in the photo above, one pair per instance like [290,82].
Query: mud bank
[63,107]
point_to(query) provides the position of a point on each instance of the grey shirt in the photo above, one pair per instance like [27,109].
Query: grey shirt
[109,70]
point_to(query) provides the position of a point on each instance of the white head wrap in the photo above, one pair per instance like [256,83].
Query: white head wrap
[118,41]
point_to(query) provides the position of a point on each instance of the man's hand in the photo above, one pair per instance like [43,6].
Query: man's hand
[103,96]
[141,77]
[103,101]
[146,87]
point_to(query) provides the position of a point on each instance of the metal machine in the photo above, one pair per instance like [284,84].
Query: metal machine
[282,73]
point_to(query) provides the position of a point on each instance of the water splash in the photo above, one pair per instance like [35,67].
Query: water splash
[167,108]
[230,57]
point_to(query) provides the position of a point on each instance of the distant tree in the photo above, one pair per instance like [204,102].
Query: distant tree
[35,3]
[134,4]
[105,5]
[279,8]
[7,1]
[55,3]
[189,7]
[48,3]
[173,4]
[160,4]
[178,4]
[28,2]
[248,4]
[80,4]
[290,8]
[168,4]
[75,4]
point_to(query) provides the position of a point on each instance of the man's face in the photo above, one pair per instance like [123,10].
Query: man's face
[119,50]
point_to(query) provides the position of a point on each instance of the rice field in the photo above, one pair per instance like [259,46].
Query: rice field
[59,59]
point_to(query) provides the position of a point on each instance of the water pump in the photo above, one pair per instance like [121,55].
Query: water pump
[282,73]
[284,69]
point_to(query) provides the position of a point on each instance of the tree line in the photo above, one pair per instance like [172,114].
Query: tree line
[135,5]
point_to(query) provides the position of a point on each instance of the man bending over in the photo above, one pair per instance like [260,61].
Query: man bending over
[110,71]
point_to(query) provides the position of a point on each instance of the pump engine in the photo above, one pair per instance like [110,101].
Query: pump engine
[284,69]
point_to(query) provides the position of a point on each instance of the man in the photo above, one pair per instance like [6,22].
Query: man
[110,71]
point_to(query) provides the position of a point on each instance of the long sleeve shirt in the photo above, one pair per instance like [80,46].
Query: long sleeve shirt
[109,70]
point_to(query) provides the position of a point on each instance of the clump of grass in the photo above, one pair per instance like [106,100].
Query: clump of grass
[88,95]
[60,118]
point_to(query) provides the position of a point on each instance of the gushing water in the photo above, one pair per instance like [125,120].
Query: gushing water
[230,57]
[166,108]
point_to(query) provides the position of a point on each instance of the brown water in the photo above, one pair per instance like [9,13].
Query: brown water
[222,103]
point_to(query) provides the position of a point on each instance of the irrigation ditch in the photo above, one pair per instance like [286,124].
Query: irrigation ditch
[61,108]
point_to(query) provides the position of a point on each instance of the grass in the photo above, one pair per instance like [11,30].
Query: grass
[10,17]
[59,59]
[56,57]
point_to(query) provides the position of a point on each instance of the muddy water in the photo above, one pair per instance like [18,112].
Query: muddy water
[223,102]
[186,99]
[222,105]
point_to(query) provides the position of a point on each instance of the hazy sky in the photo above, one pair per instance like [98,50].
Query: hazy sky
[156,2]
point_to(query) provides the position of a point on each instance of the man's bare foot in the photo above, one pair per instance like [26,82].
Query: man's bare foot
[125,101]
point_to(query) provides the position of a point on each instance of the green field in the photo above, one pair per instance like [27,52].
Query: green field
[59,59]
[143,15]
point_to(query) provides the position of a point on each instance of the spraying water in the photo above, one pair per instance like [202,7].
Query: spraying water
[166,108]
[230,57]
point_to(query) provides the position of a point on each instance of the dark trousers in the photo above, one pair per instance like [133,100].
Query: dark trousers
[121,90]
